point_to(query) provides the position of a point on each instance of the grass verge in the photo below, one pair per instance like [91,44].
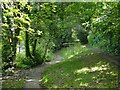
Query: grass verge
[87,69]
[16,84]
[69,52]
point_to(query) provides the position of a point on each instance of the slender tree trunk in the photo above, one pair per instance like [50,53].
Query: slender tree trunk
[27,48]
[14,46]
[19,46]
[34,47]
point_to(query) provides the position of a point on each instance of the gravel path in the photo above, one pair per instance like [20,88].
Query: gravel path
[33,75]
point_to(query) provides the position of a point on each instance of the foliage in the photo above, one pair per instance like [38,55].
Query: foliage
[44,27]
[26,62]
[23,62]
[14,21]
[41,50]
[82,36]
[50,56]
[105,28]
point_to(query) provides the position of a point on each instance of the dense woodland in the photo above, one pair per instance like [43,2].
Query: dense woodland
[33,31]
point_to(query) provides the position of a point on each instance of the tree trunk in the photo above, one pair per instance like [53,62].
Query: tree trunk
[27,49]
[34,47]
[19,46]
[14,46]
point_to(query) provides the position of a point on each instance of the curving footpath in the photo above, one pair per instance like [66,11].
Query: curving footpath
[33,75]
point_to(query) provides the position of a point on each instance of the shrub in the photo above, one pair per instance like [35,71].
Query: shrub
[22,61]
[50,56]
[40,54]
[26,62]
[38,58]
[109,44]
[82,36]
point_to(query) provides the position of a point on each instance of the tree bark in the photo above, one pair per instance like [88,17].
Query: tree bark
[27,48]
[34,47]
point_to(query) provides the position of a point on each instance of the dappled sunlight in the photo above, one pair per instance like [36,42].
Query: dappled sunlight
[66,54]
[69,52]
[82,68]
[44,79]
[83,84]
[54,86]
[78,79]
[70,56]
[75,53]
[103,63]
[30,80]
[83,46]
[92,69]
[53,62]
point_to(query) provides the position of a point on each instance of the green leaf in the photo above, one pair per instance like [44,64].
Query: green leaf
[19,38]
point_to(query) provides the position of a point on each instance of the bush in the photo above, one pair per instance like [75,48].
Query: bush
[40,54]
[26,62]
[22,61]
[38,58]
[109,44]
[50,56]
[82,36]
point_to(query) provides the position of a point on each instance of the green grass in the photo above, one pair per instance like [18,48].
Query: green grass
[17,84]
[0,57]
[69,52]
[87,69]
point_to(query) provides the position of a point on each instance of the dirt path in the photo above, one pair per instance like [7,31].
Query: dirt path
[33,75]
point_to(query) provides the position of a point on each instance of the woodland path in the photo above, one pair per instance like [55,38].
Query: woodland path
[33,74]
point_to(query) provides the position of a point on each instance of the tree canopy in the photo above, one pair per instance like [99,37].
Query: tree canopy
[44,27]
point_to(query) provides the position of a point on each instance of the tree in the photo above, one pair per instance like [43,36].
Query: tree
[14,21]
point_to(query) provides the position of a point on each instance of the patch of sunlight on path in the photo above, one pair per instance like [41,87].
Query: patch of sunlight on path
[33,75]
